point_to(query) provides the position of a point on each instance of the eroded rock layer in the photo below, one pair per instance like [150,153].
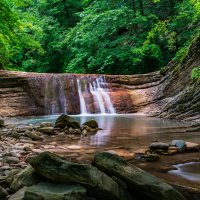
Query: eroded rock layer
[39,94]
[174,94]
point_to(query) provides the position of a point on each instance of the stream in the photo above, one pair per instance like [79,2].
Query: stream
[124,134]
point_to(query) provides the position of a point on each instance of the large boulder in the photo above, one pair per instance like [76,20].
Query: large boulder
[65,120]
[52,191]
[57,169]
[142,184]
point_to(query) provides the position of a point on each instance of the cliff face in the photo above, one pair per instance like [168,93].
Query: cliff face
[15,99]
[39,94]
[172,95]
[178,95]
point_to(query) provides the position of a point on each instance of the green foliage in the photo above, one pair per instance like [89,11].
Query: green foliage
[8,22]
[186,24]
[99,36]
[196,73]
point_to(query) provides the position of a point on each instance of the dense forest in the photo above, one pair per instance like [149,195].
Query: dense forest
[96,36]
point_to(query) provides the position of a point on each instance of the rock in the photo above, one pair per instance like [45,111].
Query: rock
[47,130]
[180,144]
[1,123]
[45,124]
[33,135]
[122,153]
[193,129]
[11,160]
[159,146]
[84,132]
[9,179]
[195,124]
[3,193]
[89,130]
[148,157]
[190,193]
[25,177]
[142,184]
[172,150]
[27,149]
[57,169]
[52,191]
[192,147]
[91,123]
[65,120]
[19,195]
[73,131]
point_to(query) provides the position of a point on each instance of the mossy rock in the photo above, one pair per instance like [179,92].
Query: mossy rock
[65,120]
[91,123]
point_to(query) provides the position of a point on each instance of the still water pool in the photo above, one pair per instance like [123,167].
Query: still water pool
[132,131]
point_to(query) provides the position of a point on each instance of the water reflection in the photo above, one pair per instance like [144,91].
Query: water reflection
[128,130]
[107,124]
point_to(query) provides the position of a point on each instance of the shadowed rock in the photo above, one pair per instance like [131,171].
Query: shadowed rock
[56,169]
[91,123]
[19,195]
[1,123]
[25,177]
[52,191]
[3,193]
[65,120]
[141,184]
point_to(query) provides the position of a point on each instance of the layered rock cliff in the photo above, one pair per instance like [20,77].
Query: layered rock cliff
[39,94]
[174,94]
[178,94]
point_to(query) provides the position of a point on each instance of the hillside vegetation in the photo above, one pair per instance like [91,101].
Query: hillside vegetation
[112,37]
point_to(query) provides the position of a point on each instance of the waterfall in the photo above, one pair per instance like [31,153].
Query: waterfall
[83,108]
[101,95]
[75,94]
[55,97]
[101,81]
[95,92]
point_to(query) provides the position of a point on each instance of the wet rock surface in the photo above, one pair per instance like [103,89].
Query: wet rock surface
[142,184]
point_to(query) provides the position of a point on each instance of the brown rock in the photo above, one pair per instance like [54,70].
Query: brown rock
[190,146]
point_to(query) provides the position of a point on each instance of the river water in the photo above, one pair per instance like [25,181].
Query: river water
[131,131]
[125,134]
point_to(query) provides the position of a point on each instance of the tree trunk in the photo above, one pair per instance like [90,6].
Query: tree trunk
[141,7]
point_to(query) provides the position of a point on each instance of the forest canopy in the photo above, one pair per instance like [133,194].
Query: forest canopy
[96,36]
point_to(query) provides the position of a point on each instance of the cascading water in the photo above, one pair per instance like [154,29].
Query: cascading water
[75,94]
[101,95]
[55,98]
[82,100]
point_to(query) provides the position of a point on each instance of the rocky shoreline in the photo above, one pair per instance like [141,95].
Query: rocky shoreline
[20,145]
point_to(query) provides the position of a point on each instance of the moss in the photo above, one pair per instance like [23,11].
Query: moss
[195,73]
[184,51]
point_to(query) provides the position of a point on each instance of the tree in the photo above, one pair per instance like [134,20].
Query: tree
[8,22]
